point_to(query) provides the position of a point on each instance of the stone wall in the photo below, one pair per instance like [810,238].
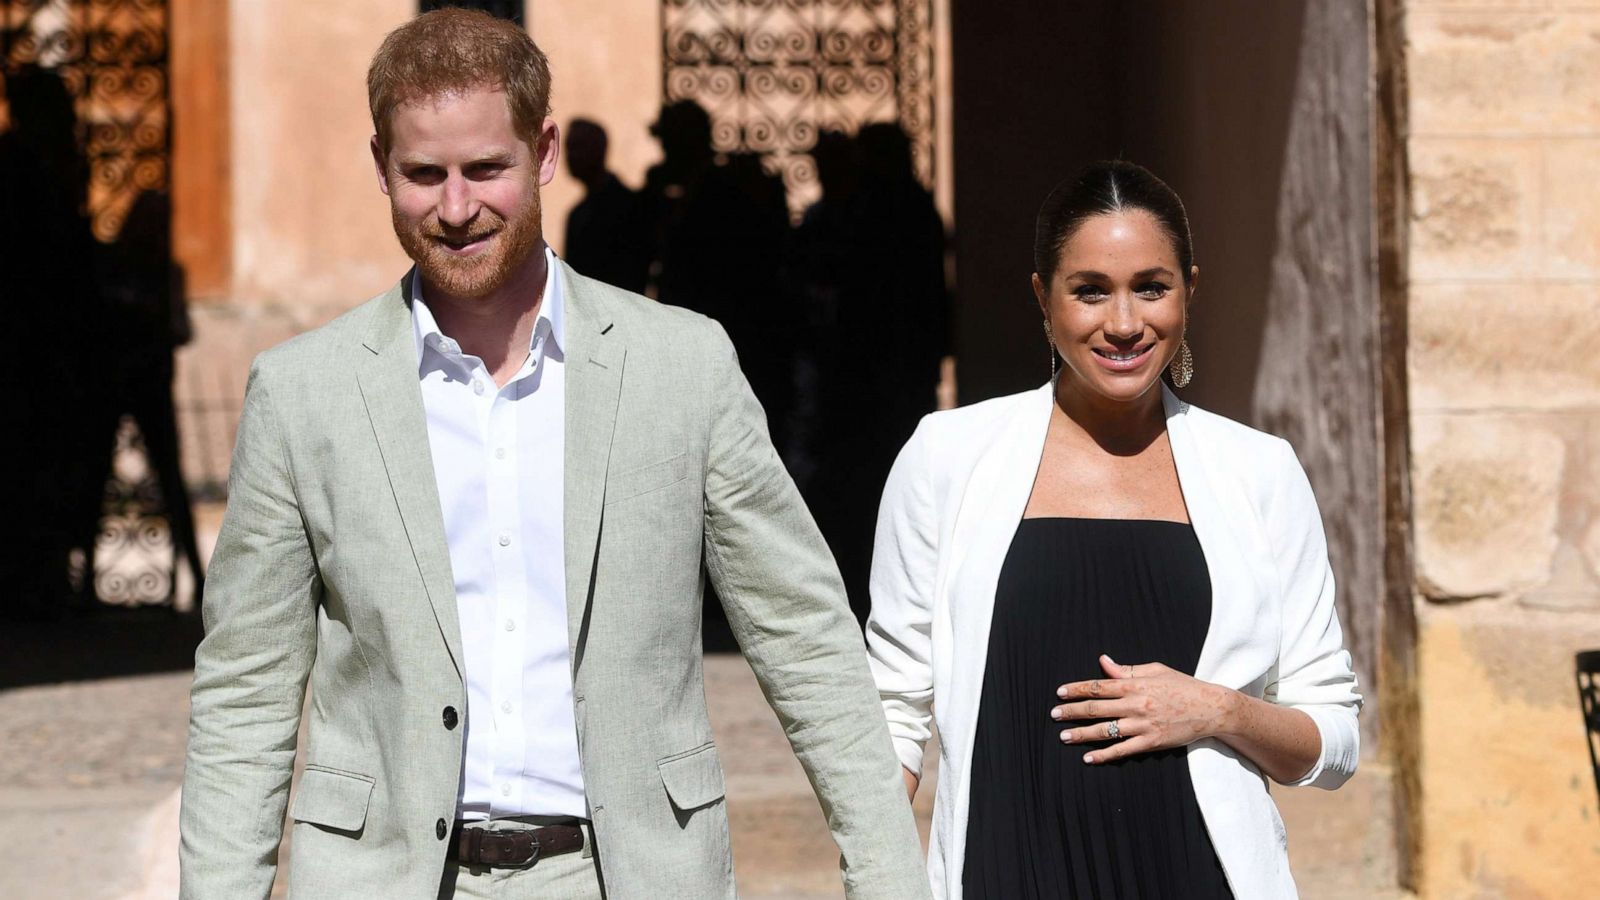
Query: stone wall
[1504,370]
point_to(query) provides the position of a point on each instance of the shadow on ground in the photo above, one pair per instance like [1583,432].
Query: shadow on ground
[100,643]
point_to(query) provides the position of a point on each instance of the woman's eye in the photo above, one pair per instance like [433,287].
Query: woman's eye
[1088,292]
[1155,290]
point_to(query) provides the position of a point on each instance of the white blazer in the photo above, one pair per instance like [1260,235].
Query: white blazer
[949,510]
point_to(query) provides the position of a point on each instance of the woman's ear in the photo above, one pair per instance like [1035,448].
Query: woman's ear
[1194,283]
[1039,295]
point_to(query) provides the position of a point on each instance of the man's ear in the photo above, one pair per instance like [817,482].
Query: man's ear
[381,164]
[548,149]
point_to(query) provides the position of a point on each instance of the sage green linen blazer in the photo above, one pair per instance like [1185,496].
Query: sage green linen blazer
[331,572]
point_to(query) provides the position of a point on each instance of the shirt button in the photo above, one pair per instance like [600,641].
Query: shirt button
[450,718]
[440,829]
[499,453]
[505,539]
[505,707]
[511,624]
[477,386]
[505,790]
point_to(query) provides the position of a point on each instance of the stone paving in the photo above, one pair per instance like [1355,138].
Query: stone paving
[89,774]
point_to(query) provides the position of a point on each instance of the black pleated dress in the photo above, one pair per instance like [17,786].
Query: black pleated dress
[1042,824]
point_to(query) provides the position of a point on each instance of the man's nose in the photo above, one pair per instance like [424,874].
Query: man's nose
[456,204]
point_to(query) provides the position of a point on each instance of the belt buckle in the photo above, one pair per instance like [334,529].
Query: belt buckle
[513,852]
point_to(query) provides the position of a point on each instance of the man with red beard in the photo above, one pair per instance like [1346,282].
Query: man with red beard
[472,516]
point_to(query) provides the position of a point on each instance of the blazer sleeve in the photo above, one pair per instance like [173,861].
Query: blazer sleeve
[787,608]
[250,670]
[1313,673]
[905,557]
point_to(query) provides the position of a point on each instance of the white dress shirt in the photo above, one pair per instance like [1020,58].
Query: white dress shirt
[497,459]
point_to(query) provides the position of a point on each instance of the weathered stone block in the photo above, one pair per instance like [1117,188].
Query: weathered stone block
[1571,206]
[1572,585]
[1474,208]
[1508,797]
[1470,350]
[1504,72]
[1486,504]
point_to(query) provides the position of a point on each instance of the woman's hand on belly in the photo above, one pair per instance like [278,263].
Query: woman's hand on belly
[1146,708]
[1152,707]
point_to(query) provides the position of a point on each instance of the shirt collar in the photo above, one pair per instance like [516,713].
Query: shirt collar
[551,322]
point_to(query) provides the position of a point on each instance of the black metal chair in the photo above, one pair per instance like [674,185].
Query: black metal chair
[1589,699]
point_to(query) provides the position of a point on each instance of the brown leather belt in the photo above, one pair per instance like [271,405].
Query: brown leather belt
[512,847]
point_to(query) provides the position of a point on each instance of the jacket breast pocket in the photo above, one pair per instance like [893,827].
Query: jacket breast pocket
[646,479]
[332,799]
[693,779]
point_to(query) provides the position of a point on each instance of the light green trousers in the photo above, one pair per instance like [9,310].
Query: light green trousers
[570,876]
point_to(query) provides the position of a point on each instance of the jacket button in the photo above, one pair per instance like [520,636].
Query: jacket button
[440,829]
[450,718]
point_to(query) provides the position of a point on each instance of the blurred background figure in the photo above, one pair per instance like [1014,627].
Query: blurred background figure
[814,280]
[55,381]
[606,236]
[870,257]
[721,226]
[144,296]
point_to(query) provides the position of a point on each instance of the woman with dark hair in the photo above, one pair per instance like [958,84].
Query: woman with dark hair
[1117,607]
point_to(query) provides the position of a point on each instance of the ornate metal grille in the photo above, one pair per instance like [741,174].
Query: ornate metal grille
[112,57]
[135,559]
[773,73]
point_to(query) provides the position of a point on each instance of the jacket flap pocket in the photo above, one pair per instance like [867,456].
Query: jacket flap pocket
[645,479]
[693,779]
[333,799]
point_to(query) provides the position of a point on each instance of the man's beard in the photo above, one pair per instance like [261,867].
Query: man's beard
[478,275]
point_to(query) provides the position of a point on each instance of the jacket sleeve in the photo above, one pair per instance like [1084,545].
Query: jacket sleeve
[905,557]
[787,608]
[1313,673]
[250,670]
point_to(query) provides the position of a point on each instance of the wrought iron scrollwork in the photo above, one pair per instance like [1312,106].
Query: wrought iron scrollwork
[107,60]
[134,561]
[773,73]
[112,57]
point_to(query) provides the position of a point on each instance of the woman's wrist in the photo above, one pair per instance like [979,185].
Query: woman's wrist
[1230,713]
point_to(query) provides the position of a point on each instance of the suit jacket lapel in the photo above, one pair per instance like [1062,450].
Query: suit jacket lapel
[392,391]
[595,354]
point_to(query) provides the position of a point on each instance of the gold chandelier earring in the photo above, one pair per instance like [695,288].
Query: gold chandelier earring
[1182,367]
[1055,358]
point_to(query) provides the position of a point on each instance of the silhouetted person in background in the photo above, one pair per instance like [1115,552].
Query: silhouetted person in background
[55,378]
[144,292]
[721,228]
[814,279]
[879,264]
[606,231]
[683,129]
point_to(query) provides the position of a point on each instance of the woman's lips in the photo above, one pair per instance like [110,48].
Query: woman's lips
[1123,360]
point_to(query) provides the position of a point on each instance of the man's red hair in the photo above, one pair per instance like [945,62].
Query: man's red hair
[453,51]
